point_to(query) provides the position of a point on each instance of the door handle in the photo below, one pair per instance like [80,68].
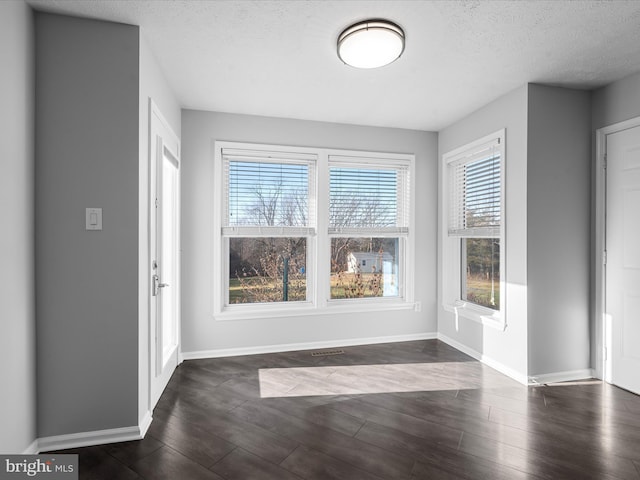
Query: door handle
[157,285]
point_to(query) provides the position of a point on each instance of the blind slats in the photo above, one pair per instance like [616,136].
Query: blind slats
[274,194]
[268,231]
[269,191]
[475,197]
[367,196]
[377,232]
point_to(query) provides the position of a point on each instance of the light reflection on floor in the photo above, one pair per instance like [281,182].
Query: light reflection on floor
[383,378]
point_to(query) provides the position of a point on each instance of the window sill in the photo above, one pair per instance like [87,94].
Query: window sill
[307,309]
[485,316]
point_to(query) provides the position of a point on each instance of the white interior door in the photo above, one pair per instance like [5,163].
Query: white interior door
[622,295]
[165,254]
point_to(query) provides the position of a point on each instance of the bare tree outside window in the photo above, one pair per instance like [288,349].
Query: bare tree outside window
[270,269]
[270,228]
[256,265]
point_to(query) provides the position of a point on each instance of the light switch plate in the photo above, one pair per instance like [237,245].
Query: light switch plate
[93,219]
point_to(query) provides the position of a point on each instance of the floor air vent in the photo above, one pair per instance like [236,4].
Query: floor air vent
[324,353]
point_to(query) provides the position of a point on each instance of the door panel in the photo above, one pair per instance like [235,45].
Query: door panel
[164,228]
[622,298]
[630,328]
[631,237]
[168,261]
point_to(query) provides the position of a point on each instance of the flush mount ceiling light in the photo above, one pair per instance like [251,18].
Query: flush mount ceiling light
[371,44]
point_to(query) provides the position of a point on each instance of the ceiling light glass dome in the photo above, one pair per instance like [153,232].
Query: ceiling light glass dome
[371,44]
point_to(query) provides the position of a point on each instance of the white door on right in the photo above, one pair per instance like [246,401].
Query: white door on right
[623,257]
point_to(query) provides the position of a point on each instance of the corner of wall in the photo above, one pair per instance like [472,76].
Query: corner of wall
[558,229]
[17,283]
[153,86]
[611,104]
[506,349]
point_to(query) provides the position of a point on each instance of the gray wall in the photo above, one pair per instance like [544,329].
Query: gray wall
[616,102]
[558,229]
[548,231]
[200,332]
[17,282]
[87,155]
[507,349]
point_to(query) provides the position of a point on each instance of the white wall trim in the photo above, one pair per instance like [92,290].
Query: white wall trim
[87,439]
[490,362]
[263,311]
[145,423]
[450,254]
[31,449]
[557,377]
[318,265]
[600,370]
[288,347]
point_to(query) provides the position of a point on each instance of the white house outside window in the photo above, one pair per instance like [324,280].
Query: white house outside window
[310,229]
[473,242]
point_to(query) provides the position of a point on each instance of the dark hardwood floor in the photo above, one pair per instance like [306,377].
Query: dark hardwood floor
[429,412]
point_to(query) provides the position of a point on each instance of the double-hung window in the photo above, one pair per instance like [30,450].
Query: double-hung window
[368,227]
[268,226]
[473,268]
[315,230]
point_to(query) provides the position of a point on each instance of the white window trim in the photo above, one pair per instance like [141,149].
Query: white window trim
[318,271]
[451,251]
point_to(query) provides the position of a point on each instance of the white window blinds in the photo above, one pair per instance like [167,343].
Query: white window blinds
[268,192]
[475,202]
[368,196]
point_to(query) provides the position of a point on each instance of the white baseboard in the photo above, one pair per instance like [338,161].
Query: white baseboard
[557,377]
[145,423]
[87,439]
[490,362]
[519,377]
[31,449]
[290,347]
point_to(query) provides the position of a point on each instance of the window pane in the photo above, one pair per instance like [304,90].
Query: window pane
[481,271]
[363,197]
[267,269]
[475,198]
[267,194]
[482,193]
[364,267]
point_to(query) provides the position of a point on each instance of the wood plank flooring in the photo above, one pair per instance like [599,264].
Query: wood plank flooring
[410,410]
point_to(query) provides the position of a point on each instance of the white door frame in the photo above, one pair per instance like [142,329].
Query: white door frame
[158,126]
[600,244]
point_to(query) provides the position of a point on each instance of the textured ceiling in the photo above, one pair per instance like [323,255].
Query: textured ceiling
[278,58]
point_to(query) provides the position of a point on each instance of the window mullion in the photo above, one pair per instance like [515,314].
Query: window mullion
[323,243]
